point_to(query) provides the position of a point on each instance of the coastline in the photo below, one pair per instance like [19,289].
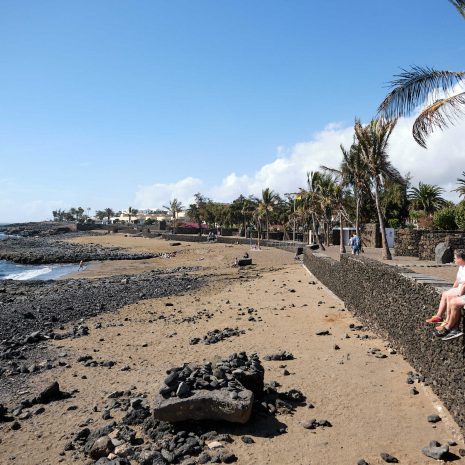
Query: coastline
[364,397]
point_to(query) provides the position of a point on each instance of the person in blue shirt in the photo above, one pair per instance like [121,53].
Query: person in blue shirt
[354,243]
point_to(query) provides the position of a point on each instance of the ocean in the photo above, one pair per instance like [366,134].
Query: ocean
[10,270]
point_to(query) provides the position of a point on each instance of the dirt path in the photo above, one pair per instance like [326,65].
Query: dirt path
[365,398]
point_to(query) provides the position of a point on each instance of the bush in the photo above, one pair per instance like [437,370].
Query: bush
[460,215]
[393,223]
[445,219]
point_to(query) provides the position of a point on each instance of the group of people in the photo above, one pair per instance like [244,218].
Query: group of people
[448,316]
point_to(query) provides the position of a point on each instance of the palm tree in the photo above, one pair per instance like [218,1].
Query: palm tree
[373,139]
[461,183]
[339,194]
[311,202]
[109,213]
[418,86]
[427,197]
[175,207]
[267,203]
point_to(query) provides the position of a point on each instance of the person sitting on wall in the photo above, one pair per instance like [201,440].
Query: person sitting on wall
[451,304]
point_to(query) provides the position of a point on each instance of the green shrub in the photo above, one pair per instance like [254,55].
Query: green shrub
[460,215]
[445,218]
[393,223]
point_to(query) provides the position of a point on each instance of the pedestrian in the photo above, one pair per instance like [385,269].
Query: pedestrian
[355,244]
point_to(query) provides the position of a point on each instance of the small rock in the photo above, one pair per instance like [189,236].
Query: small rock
[247,439]
[389,458]
[433,418]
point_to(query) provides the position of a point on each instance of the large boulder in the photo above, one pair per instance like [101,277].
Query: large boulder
[244,261]
[205,405]
[443,253]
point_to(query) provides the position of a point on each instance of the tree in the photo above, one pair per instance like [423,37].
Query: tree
[461,188]
[426,197]
[175,207]
[420,86]
[109,213]
[311,202]
[266,205]
[197,209]
[132,212]
[100,214]
[373,139]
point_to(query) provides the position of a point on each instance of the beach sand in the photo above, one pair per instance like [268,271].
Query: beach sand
[366,399]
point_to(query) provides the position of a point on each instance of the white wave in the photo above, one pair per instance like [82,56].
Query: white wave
[29,274]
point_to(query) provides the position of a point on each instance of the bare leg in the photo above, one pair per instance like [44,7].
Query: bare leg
[455,312]
[443,304]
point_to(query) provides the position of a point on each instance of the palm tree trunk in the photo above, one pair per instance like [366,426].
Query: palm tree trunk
[322,247]
[386,252]
[342,247]
[267,227]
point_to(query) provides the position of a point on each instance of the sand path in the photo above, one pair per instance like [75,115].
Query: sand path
[365,398]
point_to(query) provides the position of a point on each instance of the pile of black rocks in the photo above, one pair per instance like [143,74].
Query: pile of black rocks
[234,373]
[217,335]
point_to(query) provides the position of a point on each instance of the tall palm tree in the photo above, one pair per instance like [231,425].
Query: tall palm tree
[175,207]
[312,203]
[325,187]
[266,205]
[461,188]
[427,197]
[418,86]
[373,139]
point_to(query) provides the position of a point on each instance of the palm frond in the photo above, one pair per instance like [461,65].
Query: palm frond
[438,115]
[459,5]
[413,87]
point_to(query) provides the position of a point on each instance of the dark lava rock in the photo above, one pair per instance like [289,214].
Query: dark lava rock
[433,418]
[362,462]
[323,332]
[217,335]
[436,451]
[283,355]
[389,458]
[247,439]
[51,393]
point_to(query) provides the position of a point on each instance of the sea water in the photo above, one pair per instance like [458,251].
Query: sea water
[10,270]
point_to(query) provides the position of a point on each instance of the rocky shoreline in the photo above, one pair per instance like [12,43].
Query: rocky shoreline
[46,250]
[36,310]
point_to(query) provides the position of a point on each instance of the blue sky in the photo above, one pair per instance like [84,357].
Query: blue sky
[112,103]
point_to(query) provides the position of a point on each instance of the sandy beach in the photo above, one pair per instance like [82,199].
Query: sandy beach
[364,397]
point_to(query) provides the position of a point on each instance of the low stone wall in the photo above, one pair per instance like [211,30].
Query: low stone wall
[285,245]
[395,302]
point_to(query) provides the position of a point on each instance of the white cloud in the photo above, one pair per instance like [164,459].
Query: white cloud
[158,194]
[442,163]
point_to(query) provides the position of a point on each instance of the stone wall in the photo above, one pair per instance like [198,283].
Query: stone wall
[395,304]
[407,242]
[285,245]
[422,243]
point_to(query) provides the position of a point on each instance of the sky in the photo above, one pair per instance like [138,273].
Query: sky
[115,103]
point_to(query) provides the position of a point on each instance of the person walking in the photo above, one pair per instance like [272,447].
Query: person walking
[355,243]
